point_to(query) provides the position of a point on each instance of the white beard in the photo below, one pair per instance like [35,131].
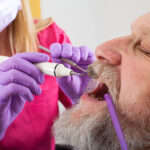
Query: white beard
[96,132]
[87,133]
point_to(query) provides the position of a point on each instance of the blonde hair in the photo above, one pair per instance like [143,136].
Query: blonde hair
[22,32]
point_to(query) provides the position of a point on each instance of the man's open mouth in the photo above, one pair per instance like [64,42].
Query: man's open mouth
[99,92]
[105,80]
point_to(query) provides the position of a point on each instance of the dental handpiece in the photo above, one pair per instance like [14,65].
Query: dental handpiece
[63,59]
[52,69]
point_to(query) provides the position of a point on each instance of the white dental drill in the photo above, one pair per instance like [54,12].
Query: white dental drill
[52,69]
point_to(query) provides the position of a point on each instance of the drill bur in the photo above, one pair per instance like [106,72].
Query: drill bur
[75,73]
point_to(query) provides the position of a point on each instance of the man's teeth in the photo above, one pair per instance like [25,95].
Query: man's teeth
[100,98]
[97,98]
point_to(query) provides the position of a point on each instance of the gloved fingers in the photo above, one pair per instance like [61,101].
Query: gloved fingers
[91,54]
[67,65]
[75,54]
[33,57]
[61,62]
[14,103]
[23,66]
[61,50]
[66,50]
[21,91]
[84,64]
[17,104]
[90,58]
[56,60]
[65,81]
[15,76]
[57,53]
[84,50]
[15,89]
[55,50]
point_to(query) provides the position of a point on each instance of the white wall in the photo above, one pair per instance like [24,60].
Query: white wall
[91,22]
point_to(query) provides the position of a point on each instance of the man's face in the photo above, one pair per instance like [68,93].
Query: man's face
[124,67]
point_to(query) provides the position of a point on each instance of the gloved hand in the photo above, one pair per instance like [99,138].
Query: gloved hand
[19,80]
[73,86]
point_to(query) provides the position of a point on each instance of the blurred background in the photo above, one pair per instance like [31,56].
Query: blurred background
[91,22]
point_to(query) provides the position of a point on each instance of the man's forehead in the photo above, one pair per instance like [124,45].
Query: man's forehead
[141,23]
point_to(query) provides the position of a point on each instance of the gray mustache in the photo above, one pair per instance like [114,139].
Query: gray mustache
[108,74]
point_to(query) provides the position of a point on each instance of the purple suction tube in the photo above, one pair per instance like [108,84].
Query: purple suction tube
[115,121]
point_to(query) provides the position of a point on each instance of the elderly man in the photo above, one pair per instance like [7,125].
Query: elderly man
[123,69]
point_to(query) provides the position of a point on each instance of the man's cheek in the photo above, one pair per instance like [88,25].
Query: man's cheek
[132,84]
[135,103]
[134,88]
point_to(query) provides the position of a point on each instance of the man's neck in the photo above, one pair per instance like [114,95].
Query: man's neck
[4,43]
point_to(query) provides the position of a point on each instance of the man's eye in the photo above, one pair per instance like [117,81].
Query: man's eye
[142,49]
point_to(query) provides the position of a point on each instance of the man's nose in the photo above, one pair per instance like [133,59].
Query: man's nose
[110,52]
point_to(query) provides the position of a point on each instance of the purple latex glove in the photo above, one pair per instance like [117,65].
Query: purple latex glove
[73,86]
[19,80]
